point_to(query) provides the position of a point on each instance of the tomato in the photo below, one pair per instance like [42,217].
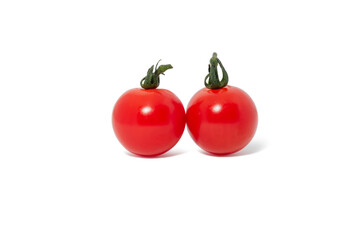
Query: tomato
[221,120]
[150,121]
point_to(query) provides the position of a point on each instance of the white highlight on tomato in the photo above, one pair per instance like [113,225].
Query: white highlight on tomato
[216,108]
[146,110]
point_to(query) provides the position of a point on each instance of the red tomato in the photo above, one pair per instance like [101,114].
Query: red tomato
[148,122]
[221,120]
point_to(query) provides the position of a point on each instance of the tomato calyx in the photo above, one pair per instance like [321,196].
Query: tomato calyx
[152,79]
[213,76]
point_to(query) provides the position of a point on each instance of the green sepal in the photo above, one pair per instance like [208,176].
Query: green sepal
[163,68]
[213,76]
[152,79]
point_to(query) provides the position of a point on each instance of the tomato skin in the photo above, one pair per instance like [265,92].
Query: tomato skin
[148,122]
[221,121]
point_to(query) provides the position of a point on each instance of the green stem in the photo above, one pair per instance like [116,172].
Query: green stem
[152,79]
[213,76]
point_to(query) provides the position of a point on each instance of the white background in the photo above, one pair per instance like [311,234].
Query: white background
[64,175]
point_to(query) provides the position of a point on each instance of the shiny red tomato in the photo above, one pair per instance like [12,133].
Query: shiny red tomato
[221,120]
[150,121]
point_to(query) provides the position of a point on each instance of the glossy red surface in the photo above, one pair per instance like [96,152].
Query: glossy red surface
[221,121]
[148,122]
